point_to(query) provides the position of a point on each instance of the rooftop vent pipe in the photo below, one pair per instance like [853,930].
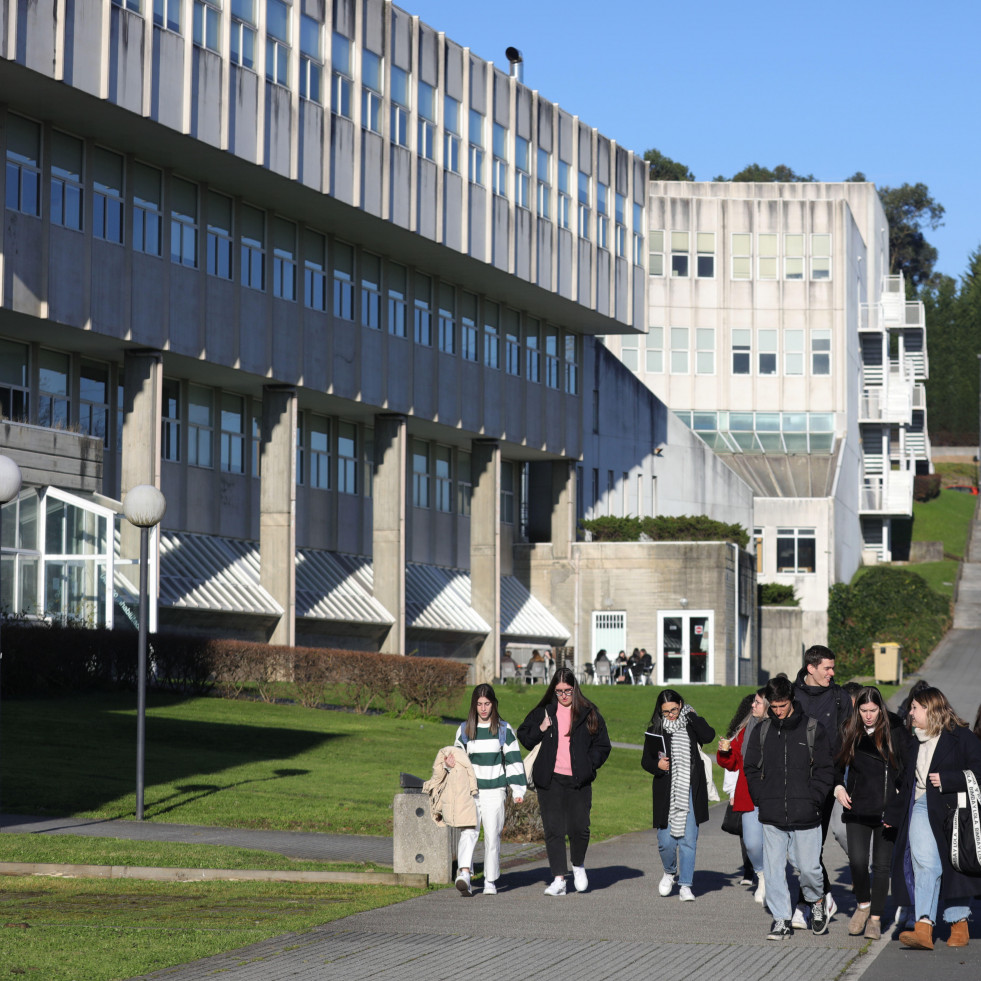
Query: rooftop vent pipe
[516,62]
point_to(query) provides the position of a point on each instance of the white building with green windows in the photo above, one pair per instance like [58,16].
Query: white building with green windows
[776,333]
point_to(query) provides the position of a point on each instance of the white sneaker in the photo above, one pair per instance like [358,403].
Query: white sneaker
[556,887]
[830,906]
[799,922]
[686,895]
[579,878]
[760,894]
[489,888]
[463,883]
[666,884]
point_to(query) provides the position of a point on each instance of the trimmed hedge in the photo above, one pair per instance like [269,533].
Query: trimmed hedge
[776,594]
[926,486]
[666,528]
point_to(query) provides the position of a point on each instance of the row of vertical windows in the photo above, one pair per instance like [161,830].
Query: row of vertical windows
[438,471]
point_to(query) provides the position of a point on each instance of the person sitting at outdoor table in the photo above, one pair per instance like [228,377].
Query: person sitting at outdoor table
[636,667]
[621,671]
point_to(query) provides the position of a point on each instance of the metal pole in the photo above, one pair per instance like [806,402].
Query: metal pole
[141,672]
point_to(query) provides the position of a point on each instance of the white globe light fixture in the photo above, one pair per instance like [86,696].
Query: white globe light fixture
[144,506]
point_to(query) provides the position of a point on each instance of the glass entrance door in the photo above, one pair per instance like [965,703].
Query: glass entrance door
[685,640]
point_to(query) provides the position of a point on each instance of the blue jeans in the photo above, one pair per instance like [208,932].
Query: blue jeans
[803,848]
[678,854]
[927,869]
[753,838]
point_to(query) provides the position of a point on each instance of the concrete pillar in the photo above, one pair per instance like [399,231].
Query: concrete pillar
[388,547]
[563,508]
[485,553]
[142,407]
[277,506]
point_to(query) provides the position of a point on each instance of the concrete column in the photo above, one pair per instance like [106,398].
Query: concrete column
[485,553]
[277,506]
[563,508]
[142,407]
[388,547]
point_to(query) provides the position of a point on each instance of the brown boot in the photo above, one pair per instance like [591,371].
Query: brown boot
[920,937]
[959,935]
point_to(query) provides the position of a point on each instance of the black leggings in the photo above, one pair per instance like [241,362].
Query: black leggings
[861,839]
[565,812]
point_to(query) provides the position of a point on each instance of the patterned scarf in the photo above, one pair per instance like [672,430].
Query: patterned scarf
[680,756]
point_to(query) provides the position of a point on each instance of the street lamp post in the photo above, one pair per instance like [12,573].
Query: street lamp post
[10,483]
[144,507]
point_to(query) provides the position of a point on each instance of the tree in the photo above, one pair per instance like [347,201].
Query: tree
[763,175]
[857,178]
[662,168]
[909,209]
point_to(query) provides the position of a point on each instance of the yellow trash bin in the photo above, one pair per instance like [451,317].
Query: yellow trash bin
[889,662]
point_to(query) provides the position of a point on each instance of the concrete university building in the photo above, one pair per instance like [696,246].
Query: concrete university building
[776,332]
[333,283]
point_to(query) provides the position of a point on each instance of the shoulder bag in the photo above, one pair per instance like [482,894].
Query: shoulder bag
[963,828]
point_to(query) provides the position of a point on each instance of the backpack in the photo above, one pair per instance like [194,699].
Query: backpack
[502,733]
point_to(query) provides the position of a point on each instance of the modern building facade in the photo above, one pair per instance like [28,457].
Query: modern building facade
[332,282]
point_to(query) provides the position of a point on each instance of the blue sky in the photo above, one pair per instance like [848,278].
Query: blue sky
[889,88]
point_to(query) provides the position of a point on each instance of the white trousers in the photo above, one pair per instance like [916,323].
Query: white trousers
[490,814]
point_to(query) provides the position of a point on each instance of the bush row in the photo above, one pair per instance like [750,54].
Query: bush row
[665,528]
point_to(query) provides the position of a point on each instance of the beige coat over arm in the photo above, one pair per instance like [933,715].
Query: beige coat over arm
[452,790]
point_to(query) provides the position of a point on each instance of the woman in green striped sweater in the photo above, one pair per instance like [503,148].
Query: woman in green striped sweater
[496,760]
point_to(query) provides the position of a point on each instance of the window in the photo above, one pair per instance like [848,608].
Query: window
[679,254]
[793,352]
[167,14]
[584,205]
[571,348]
[565,194]
[147,210]
[820,352]
[23,173]
[655,350]
[444,481]
[219,235]
[54,406]
[420,473]
[341,79]
[705,255]
[14,391]
[300,449]
[319,451]
[679,350]
[655,253]
[368,461]
[451,134]
[252,255]
[107,197]
[343,274]
[522,171]
[820,256]
[66,180]
[620,204]
[793,256]
[399,106]
[512,343]
[629,353]
[492,338]
[135,5]
[796,550]
[757,548]
[551,356]
[767,245]
[704,350]
[232,436]
[347,458]
[370,291]
[422,326]
[544,183]
[277,41]
[742,255]
[183,222]
[371,91]
[638,235]
[500,172]
[170,421]
[200,424]
[314,276]
[533,353]
[242,44]
[476,136]
[468,326]
[426,133]
[507,492]
[256,439]
[93,400]
[741,350]
[766,341]
[447,327]
[311,58]
[397,325]
[464,482]
[207,24]
[602,215]
[284,259]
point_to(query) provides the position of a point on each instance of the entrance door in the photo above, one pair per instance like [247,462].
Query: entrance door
[685,642]
[609,634]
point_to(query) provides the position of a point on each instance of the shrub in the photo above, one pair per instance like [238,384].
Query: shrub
[610,529]
[430,681]
[776,594]
[926,486]
[666,528]
[523,822]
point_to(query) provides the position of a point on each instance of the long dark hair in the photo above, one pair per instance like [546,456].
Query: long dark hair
[977,723]
[854,728]
[581,705]
[667,695]
[482,691]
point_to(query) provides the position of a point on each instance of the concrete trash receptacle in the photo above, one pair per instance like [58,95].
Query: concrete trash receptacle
[419,844]
[888,662]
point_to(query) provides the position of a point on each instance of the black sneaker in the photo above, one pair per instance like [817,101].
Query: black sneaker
[819,917]
[780,931]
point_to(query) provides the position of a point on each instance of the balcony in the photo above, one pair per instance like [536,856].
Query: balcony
[890,493]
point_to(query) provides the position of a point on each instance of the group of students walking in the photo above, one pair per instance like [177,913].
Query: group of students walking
[799,753]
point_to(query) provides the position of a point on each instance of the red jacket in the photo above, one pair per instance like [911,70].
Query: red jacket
[733,760]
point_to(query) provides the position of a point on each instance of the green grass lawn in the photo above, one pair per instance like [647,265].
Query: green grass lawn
[946,519]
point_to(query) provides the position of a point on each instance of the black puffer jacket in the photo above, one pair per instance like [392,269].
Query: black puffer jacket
[785,784]
[831,706]
[872,781]
[588,750]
